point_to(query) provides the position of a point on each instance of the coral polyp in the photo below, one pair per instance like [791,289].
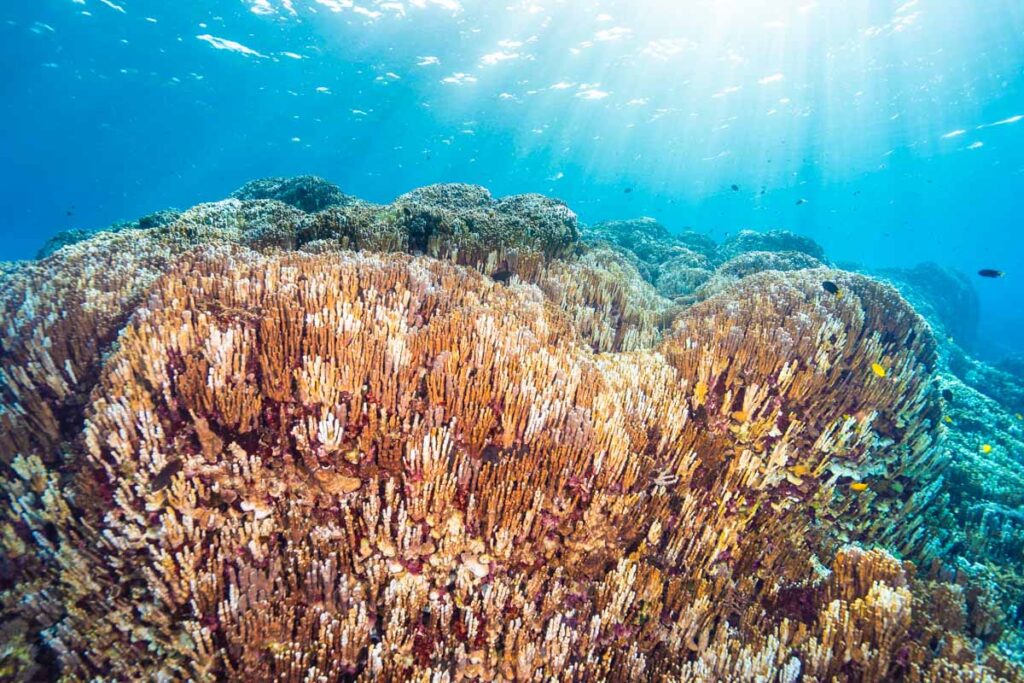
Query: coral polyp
[505,458]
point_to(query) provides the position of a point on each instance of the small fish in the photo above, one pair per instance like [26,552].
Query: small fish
[858,486]
[878,370]
[740,415]
[990,272]
[831,287]
[801,201]
[947,395]
[1020,417]
[164,477]
[986,448]
[799,470]
[502,276]
[735,188]
[628,190]
[947,419]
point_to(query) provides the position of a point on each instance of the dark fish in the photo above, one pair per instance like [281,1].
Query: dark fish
[501,275]
[830,287]
[628,190]
[990,272]
[948,395]
[164,477]
[735,188]
[801,201]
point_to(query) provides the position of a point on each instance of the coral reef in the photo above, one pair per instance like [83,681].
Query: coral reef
[945,297]
[749,263]
[65,237]
[1013,365]
[655,248]
[62,239]
[306,193]
[690,267]
[1004,387]
[678,278]
[772,240]
[465,223]
[10,268]
[234,448]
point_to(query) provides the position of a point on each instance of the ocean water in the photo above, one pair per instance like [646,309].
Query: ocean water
[889,133]
[896,121]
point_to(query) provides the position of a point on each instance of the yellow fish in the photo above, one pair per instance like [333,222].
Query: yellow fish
[799,470]
[986,448]
[858,486]
[878,370]
[1020,417]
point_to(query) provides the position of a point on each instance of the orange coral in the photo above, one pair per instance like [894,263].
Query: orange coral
[337,465]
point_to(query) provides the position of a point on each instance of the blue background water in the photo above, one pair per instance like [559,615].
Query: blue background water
[895,121]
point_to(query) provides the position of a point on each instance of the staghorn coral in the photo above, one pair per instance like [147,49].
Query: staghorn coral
[331,465]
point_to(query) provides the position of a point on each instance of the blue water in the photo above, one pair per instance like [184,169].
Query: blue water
[897,122]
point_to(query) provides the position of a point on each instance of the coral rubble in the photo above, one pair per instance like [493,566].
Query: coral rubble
[235,448]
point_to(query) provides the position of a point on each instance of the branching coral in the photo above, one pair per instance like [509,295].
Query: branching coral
[338,465]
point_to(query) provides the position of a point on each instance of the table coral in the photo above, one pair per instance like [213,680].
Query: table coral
[226,459]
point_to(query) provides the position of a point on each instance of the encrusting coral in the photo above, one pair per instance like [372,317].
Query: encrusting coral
[228,460]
